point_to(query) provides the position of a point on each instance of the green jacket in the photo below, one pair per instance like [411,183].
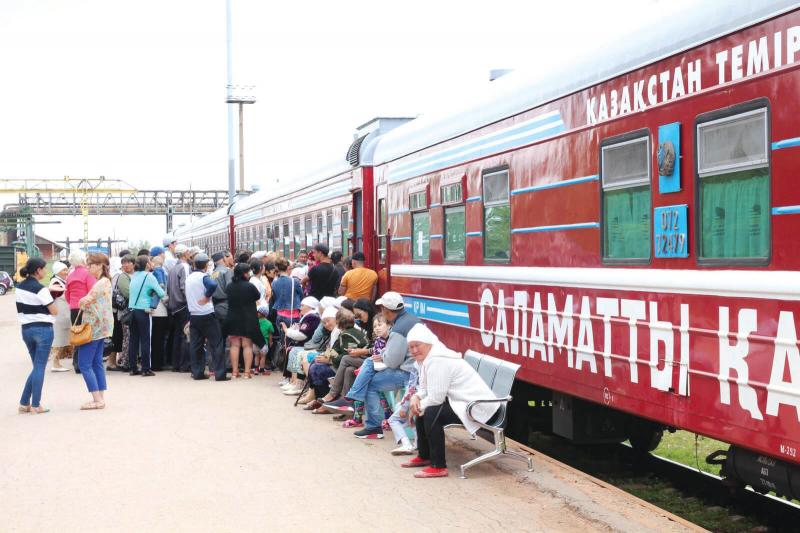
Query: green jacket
[349,338]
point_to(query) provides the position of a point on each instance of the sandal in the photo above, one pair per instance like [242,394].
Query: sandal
[315,404]
[89,406]
[24,409]
[247,376]
[353,423]
[340,417]
[321,411]
[39,410]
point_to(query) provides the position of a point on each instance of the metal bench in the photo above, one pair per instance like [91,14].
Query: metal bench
[499,376]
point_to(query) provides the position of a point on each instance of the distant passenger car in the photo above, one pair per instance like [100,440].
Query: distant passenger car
[6,282]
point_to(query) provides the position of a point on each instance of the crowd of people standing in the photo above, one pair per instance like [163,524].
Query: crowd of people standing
[341,350]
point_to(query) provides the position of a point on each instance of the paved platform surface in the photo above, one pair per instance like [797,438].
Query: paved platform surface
[171,454]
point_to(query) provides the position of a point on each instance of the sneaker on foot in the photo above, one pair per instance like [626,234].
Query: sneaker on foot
[293,391]
[431,472]
[342,405]
[369,433]
[404,449]
[283,382]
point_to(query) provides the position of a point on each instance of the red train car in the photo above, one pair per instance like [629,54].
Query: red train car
[628,237]
[623,227]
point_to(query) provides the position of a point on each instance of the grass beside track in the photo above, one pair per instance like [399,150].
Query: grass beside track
[604,463]
[690,449]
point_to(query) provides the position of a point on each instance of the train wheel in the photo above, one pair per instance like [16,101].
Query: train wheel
[645,436]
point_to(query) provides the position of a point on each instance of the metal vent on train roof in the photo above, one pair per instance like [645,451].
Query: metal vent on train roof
[377,126]
[355,150]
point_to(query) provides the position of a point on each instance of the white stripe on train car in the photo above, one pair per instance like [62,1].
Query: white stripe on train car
[762,284]
[537,128]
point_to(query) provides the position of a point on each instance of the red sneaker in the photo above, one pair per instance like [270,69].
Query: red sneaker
[431,472]
[416,462]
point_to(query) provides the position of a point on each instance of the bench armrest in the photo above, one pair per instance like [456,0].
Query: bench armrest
[472,404]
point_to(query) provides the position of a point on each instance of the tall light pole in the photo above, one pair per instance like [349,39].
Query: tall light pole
[232,98]
[237,95]
[229,55]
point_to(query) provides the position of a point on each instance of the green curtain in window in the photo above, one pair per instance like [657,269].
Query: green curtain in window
[627,223]
[420,238]
[735,214]
[497,232]
[455,234]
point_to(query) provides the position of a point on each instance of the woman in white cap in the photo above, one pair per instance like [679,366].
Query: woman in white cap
[447,384]
[61,346]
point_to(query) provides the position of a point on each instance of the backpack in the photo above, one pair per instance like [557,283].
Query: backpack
[118,301]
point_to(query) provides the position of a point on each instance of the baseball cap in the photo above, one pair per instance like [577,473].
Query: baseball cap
[181,249]
[391,301]
[168,239]
[156,250]
[201,257]
[218,256]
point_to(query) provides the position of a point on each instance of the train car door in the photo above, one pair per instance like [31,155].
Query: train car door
[382,244]
[358,222]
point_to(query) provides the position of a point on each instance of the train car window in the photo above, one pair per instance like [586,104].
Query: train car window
[382,226]
[625,172]
[319,225]
[329,216]
[496,216]
[455,233]
[420,236]
[418,201]
[309,225]
[452,194]
[734,190]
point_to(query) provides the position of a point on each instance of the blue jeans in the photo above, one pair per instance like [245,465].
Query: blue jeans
[390,379]
[358,390]
[39,340]
[90,360]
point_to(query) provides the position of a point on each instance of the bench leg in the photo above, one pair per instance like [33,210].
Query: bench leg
[485,457]
[499,450]
[521,457]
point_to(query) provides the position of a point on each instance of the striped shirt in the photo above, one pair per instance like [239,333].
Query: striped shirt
[32,301]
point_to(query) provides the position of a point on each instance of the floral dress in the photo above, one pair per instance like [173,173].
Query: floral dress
[99,313]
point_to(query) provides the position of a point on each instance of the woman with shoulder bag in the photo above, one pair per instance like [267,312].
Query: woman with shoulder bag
[97,314]
[120,293]
[36,311]
[143,285]
[61,348]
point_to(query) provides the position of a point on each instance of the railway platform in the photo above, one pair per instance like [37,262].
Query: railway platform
[172,454]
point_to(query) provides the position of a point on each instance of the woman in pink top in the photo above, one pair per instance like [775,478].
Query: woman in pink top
[79,283]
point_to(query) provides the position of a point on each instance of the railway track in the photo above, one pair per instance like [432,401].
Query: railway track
[702,498]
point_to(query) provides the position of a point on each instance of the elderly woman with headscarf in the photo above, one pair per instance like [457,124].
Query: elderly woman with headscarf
[297,335]
[79,282]
[57,287]
[447,384]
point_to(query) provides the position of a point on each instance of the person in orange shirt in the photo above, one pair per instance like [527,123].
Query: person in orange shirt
[360,282]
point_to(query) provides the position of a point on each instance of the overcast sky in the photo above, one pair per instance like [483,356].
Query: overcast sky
[135,90]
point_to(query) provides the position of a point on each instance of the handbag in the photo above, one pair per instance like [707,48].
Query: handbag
[80,334]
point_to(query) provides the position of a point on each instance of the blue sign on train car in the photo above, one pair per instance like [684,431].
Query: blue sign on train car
[671,232]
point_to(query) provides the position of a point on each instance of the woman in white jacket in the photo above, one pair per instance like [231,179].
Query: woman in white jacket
[447,384]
